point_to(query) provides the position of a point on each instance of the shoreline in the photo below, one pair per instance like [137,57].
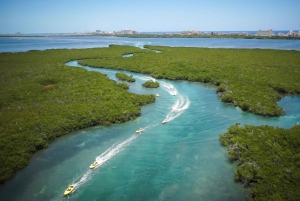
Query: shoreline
[221,36]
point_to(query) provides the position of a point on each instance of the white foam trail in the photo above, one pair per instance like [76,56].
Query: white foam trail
[150,126]
[113,150]
[181,104]
[104,157]
[169,88]
[86,177]
[146,78]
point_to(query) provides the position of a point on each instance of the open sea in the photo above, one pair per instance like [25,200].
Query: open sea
[179,160]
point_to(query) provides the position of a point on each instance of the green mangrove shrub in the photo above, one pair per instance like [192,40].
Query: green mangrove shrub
[125,77]
[150,84]
[268,160]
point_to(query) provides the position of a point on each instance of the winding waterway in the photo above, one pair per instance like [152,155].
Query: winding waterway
[179,160]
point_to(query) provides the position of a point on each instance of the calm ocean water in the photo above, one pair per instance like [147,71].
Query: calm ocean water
[17,44]
[180,160]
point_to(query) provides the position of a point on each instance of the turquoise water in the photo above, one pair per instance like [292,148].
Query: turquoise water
[179,160]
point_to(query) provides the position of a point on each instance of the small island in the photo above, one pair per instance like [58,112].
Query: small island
[125,77]
[150,84]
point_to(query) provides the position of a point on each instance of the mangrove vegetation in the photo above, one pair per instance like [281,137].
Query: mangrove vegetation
[41,98]
[268,160]
[125,77]
[150,84]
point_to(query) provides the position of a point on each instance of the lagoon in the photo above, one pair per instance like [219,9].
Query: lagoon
[182,159]
[21,44]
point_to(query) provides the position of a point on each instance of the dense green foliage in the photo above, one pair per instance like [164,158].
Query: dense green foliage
[41,99]
[253,79]
[125,77]
[268,160]
[150,84]
[124,85]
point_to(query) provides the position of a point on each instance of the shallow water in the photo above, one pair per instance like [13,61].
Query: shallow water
[20,44]
[179,160]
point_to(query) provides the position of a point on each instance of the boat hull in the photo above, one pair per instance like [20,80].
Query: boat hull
[69,190]
[94,165]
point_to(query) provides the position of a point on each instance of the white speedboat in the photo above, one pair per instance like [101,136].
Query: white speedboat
[139,131]
[94,165]
[157,95]
[165,121]
[175,110]
[173,93]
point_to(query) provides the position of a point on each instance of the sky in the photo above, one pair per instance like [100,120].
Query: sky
[68,16]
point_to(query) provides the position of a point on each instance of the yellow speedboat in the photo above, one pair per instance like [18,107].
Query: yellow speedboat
[94,165]
[139,131]
[69,190]
[165,121]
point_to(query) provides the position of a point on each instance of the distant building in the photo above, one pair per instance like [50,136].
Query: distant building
[292,33]
[126,32]
[282,34]
[194,32]
[265,33]
[98,31]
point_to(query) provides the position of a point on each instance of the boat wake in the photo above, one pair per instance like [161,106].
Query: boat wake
[181,104]
[104,157]
[113,150]
[169,88]
[146,78]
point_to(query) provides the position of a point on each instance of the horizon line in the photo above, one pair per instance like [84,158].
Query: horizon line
[146,31]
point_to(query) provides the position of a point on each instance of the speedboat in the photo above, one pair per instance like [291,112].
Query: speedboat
[139,131]
[175,110]
[94,165]
[69,190]
[165,121]
[157,95]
